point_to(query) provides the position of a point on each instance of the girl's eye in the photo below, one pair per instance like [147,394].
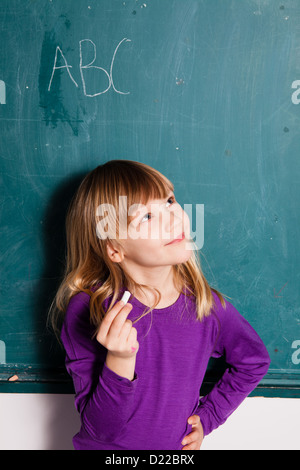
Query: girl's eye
[149,213]
[172,199]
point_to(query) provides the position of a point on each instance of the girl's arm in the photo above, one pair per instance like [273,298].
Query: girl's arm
[103,398]
[248,362]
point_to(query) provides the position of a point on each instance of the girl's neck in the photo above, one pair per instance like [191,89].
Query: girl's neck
[149,297]
[163,280]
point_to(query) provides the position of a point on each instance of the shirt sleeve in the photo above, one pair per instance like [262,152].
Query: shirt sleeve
[103,399]
[248,362]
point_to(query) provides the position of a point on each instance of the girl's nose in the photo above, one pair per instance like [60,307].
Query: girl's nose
[173,224]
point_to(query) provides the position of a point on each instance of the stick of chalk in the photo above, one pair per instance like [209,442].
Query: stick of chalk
[13,378]
[125,297]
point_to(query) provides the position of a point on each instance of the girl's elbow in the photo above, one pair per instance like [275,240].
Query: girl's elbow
[265,363]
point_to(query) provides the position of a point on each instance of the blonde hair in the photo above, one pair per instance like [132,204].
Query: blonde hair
[88,267]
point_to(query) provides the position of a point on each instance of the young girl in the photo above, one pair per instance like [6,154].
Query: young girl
[137,369]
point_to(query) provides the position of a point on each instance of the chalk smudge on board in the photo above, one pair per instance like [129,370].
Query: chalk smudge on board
[179,81]
[52,103]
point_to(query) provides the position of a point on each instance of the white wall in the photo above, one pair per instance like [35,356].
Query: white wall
[48,422]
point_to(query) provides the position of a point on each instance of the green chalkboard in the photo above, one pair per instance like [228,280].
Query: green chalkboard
[207,92]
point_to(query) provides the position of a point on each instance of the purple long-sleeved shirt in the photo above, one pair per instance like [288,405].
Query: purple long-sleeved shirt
[151,411]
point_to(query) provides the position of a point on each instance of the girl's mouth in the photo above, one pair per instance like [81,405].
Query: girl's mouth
[177,240]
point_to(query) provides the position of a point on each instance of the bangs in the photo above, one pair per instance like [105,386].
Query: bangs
[118,185]
[148,187]
[137,181]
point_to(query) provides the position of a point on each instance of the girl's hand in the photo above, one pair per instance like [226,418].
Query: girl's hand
[117,334]
[193,441]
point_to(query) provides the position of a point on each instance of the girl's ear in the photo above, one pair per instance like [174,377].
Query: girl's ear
[114,253]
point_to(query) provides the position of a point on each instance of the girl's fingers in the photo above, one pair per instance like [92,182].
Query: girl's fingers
[132,337]
[190,438]
[125,331]
[111,316]
[132,340]
[194,420]
[120,320]
[116,332]
[193,440]
[192,446]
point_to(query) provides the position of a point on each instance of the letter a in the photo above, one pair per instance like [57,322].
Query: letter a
[66,66]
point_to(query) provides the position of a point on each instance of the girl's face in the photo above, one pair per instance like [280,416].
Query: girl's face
[151,234]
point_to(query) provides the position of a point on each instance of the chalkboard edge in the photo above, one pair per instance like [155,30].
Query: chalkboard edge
[274,385]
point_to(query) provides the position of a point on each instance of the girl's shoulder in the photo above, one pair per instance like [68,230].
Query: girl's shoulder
[80,302]
[77,333]
[77,303]
[78,309]
[223,312]
[229,319]
[77,315]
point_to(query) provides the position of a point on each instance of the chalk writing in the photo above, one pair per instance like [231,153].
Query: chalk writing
[296,94]
[83,67]
[296,354]
[91,66]
[56,67]
[2,353]
[2,92]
